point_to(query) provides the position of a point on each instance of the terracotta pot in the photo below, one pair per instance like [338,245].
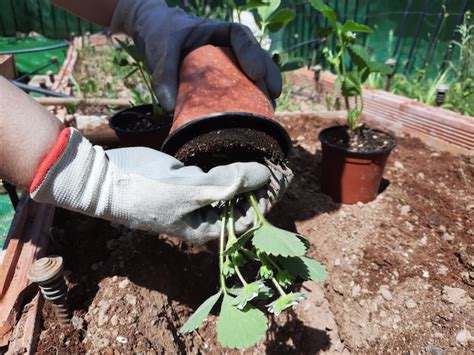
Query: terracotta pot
[351,176]
[151,138]
[214,93]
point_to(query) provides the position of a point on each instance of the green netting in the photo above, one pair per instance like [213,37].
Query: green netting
[41,17]
[30,61]
[6,216]
[415,32]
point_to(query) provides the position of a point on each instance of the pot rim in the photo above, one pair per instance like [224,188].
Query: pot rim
[385,150]
[117,115]
[194,128]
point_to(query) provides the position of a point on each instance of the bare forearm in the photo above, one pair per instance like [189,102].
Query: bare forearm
[27,132]
[97,11]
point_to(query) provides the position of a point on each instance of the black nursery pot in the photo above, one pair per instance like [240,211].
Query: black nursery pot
[135,128]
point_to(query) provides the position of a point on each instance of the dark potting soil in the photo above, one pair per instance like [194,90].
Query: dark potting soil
[141,122]
[364,139]
[230,145]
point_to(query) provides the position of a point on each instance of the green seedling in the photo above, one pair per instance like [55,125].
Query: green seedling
[279,257]
[138,66]
[349,81]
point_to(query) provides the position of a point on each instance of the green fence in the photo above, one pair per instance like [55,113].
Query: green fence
[415,32]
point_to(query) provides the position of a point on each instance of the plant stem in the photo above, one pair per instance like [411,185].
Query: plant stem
[259,216]
[221,249]
[241,278]
[278,287]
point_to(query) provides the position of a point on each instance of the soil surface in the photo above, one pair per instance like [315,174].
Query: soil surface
[399,268]
[363,139]
[139,122]
[230,145]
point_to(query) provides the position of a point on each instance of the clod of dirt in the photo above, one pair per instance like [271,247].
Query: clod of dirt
[230,145]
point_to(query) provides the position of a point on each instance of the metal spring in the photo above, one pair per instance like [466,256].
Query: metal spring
[48,274]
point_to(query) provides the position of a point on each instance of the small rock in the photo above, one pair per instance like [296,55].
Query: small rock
[464,337]
[434,350]
[448,237]
[386,294]
[131,299]
[425,274]
[121,339]
[453,295]
[424,240]
[77,322]
[114,320]
[398,165]
[404,210]
[442,229]
[410,304]
[300,138]
[360,204]
[337,262]
[409,226]
[470,207]
[102,343]
[420,176]
[356,290]
[443,270]
[124,283]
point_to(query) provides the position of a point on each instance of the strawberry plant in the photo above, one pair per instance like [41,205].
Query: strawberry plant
[351,74]
[274,258]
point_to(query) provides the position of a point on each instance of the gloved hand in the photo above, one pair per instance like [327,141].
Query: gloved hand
[165,35]
[146,189]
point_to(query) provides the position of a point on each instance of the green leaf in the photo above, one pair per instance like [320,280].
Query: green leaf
[228,268]
[280,19]
[239,242]
[304,267]
[355,27]
[254,4]
[265,272]
[324,32]
[200,314]
[276,241]
[326,11]
[359,55]
[284,302]
[239,329]
[131,50]
[351,86]
[376,67]
[266,11]
[284,278]
[248,293]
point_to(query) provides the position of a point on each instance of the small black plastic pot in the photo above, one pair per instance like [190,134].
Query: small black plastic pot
[131,134]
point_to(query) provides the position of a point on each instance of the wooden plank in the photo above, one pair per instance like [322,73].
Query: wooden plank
[25,335]
[34,239]
[7,66]
[13,245]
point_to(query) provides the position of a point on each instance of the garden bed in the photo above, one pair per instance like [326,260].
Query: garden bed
[398,267]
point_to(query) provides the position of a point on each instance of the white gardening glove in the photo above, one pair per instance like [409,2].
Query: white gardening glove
[146,189]
[164,35]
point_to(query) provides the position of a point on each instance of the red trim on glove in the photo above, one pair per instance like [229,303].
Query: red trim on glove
[53,155]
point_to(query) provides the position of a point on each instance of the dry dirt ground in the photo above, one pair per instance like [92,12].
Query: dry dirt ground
[399,268]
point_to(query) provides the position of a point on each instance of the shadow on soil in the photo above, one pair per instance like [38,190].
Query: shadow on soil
[93,250]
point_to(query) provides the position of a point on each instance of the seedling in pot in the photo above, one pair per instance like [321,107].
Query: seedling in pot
[349,81]
[138,66]
[279,257]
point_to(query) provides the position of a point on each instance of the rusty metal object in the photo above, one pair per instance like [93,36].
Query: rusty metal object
[48,273]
